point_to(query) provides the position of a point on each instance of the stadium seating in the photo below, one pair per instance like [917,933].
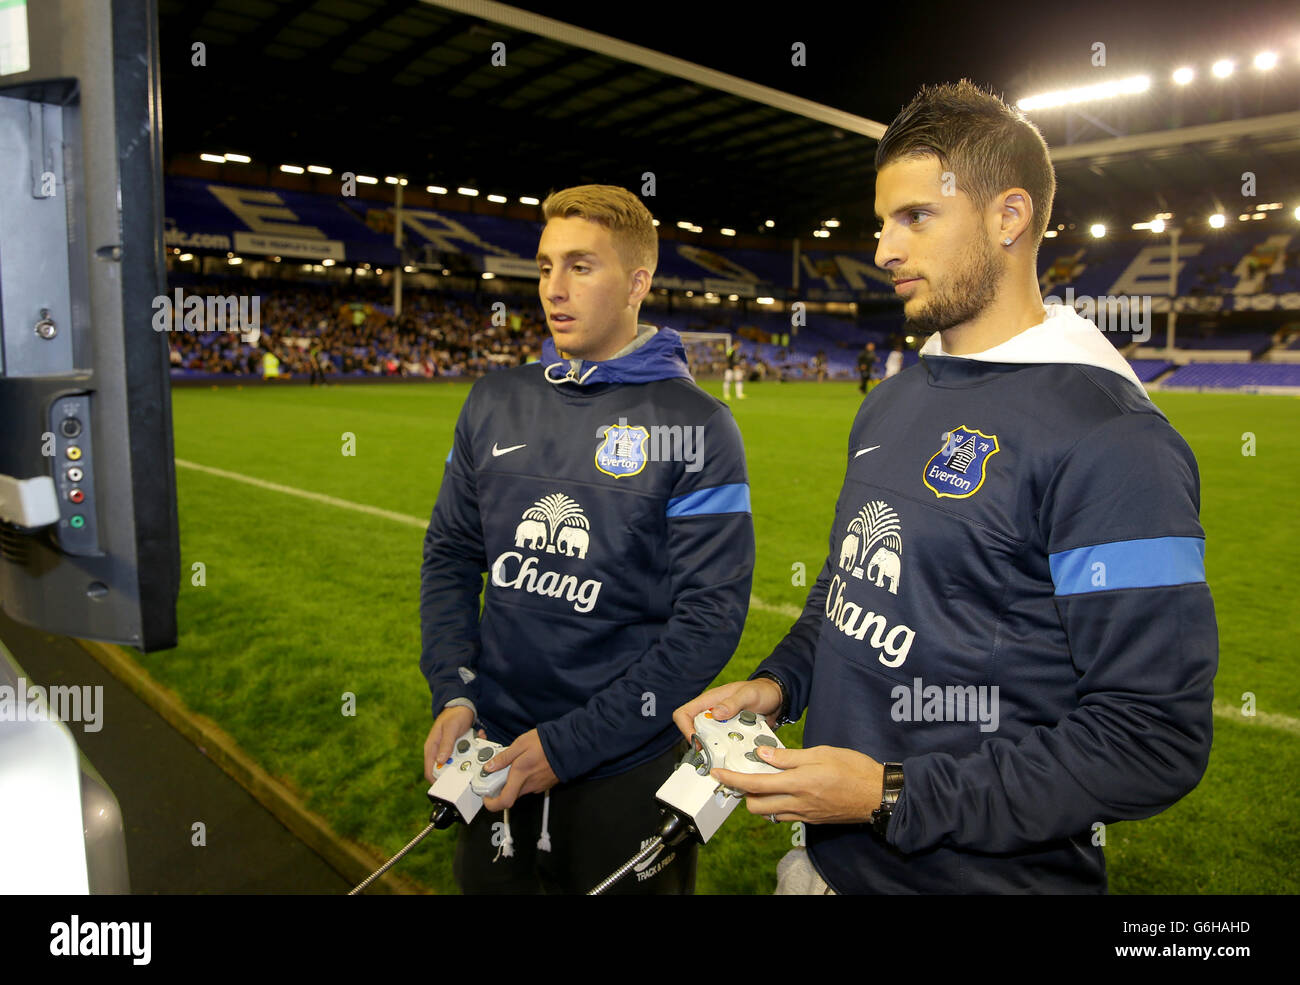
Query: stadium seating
[1233,375]
[1215,266]
[1149,369]
[1255,343]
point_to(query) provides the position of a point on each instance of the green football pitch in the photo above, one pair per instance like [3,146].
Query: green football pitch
[300,584]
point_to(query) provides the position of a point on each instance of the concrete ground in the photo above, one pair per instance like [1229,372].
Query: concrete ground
[164,783]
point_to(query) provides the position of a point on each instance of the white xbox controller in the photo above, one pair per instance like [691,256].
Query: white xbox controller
[733,744]
[729,745]
[461,782]
[487,784]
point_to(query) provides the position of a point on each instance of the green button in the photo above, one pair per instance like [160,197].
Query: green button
[78,521]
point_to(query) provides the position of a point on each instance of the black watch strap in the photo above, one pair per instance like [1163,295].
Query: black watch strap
[782,715]
[891,790]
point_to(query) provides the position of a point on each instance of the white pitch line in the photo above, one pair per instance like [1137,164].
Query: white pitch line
[1264,718]
[346,504]
[789,611]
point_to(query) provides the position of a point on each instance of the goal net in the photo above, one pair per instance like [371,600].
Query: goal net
[706,352]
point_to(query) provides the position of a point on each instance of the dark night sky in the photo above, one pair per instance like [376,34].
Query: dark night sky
[870,59]
[864,59]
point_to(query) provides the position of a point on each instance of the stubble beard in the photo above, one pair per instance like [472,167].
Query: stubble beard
[965,297]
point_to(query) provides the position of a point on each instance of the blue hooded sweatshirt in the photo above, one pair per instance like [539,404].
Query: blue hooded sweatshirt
[608,503]
[1013,607]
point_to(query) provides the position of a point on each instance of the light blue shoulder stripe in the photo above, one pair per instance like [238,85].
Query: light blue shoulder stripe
[1146,563]
[732,498]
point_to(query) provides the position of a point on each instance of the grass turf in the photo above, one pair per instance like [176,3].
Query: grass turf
[298,603]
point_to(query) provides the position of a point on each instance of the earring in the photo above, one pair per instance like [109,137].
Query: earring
[1007,241]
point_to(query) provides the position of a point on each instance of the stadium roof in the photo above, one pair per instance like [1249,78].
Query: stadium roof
[409,87]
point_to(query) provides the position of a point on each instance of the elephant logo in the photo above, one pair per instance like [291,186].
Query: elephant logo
[571,541]
[530,534]
[875,525]
[885,564]
[556,523]
[849,552]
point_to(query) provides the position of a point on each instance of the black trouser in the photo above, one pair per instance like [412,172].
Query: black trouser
[595,826]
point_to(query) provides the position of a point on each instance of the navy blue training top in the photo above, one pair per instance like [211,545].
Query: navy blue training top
[1014,607]
[608,504]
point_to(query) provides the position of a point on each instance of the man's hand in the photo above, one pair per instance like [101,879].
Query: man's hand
[821,785]
[447,728]
[761,696]
[530,771]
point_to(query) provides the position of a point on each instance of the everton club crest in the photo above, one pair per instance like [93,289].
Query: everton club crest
[623,450]
[957,469]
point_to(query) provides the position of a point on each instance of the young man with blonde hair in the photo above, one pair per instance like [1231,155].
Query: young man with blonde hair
[1012,642]
[605,496]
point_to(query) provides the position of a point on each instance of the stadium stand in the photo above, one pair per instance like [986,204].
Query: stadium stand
[1232,284]
[1150,369]
[1256,343]
[1227,376]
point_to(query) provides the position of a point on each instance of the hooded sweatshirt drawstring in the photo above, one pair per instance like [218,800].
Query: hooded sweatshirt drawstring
[569,377]
[507,843]
[544,842]
[507,840]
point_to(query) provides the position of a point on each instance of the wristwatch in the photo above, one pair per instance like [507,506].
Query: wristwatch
[782,715]
[891,790]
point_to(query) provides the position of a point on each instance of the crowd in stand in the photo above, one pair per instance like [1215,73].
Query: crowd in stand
[320,331]
[357,332]
[332,332]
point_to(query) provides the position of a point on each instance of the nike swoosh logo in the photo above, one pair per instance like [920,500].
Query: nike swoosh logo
[505,451]
[864,451]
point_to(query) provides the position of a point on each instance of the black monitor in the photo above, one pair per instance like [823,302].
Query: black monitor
[89,542]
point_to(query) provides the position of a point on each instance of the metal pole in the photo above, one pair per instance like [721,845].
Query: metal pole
[397,241]
[794,264]
[1173,290]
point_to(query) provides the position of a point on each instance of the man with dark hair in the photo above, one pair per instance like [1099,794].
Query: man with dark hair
[606,497]
[866,366]
[1012,642]
[314,358]
[734,373]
